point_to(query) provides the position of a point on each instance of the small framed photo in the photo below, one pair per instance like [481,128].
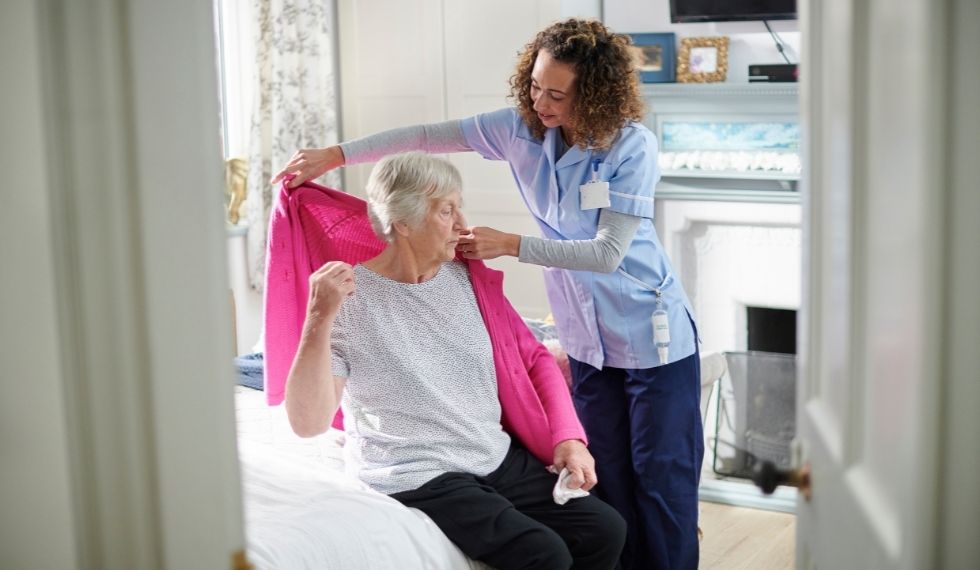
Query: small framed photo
[654,57]
[702,60]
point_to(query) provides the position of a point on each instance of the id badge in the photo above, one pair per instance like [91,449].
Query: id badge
[595,194]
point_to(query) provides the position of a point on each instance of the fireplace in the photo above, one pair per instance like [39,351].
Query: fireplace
[741,265]
[731,225]
[728,205]
[771,330]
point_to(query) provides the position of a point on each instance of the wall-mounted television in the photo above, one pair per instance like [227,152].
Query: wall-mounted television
[689,11]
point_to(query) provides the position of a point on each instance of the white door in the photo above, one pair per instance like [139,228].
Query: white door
[879,258]
[117,444]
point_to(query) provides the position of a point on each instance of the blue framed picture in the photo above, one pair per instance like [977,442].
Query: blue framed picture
[655,59]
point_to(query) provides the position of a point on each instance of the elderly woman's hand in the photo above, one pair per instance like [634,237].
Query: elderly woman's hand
[488,243]
[310,163]
[330,286]
[573,454]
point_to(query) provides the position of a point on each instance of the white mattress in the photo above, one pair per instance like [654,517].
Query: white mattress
[303,512]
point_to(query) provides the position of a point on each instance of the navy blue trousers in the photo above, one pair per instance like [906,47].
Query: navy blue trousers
[644,429]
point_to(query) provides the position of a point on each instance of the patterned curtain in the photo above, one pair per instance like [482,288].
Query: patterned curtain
[295,104]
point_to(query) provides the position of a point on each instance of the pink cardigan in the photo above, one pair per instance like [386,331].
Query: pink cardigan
[311,225]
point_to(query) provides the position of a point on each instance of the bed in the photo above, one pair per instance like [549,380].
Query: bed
[303,512]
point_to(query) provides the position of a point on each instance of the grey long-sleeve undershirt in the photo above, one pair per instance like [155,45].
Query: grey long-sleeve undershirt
[434,138]
[602,254]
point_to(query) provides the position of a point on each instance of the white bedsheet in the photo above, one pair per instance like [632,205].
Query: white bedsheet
[303,512]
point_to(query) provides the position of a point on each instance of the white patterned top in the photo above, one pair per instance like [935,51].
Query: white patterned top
[421,397]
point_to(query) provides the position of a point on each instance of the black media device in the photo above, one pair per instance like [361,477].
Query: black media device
[773,73]
[688,11]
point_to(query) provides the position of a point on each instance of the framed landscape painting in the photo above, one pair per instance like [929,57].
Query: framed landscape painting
[654,55]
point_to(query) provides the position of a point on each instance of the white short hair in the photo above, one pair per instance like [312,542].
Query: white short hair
[402,187]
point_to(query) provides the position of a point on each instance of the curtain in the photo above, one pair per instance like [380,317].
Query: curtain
[294,104]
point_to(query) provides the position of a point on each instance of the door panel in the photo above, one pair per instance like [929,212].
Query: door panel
[870,342]
[835,146]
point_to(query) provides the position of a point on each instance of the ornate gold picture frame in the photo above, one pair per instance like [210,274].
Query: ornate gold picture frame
[702,60]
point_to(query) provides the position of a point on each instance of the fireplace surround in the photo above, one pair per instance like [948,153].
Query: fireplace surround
[732,227]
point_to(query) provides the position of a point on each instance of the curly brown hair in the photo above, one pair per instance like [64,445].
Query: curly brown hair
[607,92]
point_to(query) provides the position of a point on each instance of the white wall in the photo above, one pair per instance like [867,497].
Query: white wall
[247,301]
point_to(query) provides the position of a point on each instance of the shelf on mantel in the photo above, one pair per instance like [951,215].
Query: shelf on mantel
[666,191]
[764,101]
[719,89]
[730,174]
[728,188]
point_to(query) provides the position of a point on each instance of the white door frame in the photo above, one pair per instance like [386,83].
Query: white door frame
[127,245]
[956,544]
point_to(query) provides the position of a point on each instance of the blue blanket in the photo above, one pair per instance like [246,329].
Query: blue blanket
[249,367]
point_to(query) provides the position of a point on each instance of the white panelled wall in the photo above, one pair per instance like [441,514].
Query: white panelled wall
[411,62]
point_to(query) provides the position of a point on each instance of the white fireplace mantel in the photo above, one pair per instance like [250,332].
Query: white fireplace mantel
[733,238]
[730,256]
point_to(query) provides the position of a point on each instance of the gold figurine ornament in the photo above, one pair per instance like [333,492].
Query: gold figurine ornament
[236,177]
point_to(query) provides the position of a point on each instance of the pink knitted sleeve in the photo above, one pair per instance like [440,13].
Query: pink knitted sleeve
[286,291]
[549,382]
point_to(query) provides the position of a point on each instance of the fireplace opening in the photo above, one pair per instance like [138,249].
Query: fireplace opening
[771,330]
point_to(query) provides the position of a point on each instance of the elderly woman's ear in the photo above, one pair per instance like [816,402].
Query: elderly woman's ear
[401,228]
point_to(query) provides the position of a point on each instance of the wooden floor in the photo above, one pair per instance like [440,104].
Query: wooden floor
[736,538]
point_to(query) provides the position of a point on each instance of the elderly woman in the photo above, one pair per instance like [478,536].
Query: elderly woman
[447,397]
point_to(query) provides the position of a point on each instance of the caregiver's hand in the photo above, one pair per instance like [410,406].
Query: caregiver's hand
[310,163]
[488,243]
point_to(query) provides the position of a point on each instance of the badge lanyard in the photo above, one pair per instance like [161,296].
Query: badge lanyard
[661,327]
[659,319]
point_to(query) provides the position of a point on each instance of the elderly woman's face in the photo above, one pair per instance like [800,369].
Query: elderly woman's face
[439,232]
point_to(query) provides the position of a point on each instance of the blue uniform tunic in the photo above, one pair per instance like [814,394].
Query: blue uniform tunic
[603,319]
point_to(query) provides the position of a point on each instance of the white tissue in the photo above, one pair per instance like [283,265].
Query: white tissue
[562,493]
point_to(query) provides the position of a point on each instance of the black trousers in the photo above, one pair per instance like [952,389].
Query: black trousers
[509,520]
